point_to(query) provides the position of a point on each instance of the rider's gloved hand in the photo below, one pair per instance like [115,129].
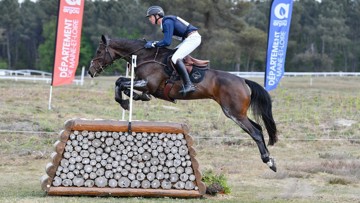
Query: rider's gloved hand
[150,44]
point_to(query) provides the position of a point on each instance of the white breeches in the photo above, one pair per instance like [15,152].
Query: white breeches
[187,46]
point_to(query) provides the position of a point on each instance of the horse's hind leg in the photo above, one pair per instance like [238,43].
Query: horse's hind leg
[259,135]
[255,131]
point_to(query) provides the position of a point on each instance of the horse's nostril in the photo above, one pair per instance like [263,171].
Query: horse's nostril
[90,74]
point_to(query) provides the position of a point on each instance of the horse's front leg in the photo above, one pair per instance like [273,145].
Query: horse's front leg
[124,103]
[142,97]
[140,85]
[119,88]
[124,85]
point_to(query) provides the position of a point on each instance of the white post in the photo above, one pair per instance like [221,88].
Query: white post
[126,75]
[50,97]
[133,65]
[82,76]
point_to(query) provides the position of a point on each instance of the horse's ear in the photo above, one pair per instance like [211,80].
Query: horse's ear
[105,39]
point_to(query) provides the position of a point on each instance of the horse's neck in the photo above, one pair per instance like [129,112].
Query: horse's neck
[126,47]
[158,54]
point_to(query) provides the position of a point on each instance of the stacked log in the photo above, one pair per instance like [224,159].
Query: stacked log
[100,157]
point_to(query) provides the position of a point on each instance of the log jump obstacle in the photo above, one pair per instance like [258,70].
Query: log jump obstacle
[100,158]
[120,158]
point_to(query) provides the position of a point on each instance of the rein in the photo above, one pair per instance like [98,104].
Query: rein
[107,52]
[152,61]
[127,56]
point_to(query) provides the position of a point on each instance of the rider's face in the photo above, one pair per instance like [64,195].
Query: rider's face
[152,19]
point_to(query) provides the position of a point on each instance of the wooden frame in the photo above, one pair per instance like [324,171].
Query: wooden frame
[120,126]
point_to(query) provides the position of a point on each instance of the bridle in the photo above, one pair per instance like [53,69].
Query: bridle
[127,56]
[97,59]
[107,53]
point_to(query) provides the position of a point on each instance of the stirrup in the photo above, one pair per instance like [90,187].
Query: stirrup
[188,89]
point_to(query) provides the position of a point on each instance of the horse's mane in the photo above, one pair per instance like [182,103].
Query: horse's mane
[136,43]
[128,42]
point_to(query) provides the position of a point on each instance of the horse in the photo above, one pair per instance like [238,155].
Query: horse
[234,94]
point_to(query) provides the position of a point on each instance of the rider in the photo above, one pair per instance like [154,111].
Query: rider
[174,25]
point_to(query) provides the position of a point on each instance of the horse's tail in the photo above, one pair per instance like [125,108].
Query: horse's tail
[261,107]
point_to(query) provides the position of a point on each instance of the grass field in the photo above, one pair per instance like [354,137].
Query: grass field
[318,154]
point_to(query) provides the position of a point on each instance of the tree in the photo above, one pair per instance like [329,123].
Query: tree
[352,11]
[9,22]
[118,19]
[46,49]
[333,32]
[324,35]
[29,34]
[253,41]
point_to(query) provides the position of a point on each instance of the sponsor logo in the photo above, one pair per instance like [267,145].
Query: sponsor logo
[73,2]
[281,11]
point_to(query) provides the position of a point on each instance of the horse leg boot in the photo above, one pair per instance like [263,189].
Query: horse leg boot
[188,86]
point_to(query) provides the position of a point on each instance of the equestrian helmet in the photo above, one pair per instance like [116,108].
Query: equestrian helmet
[153,10]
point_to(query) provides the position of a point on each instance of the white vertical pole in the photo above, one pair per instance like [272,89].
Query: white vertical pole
[133,65]
[50,95]
[126,75]
[82,76]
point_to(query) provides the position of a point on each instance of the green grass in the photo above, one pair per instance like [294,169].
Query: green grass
[318,157]
[218,180]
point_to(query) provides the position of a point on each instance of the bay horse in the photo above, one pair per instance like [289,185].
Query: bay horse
[234,94]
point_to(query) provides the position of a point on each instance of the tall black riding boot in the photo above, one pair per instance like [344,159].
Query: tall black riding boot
[188,86]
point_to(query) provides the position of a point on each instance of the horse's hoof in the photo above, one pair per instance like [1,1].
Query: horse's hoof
[145,97]
[125,104]
[271,163]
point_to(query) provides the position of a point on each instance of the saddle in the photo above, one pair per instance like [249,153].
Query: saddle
[195,67]
[190,61]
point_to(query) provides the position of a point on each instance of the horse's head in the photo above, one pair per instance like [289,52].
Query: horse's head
[104,57]
[113,49]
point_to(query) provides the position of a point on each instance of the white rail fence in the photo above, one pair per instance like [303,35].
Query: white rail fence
[35,75]
[297,74]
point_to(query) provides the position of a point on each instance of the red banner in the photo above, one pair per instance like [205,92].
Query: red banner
[68,40]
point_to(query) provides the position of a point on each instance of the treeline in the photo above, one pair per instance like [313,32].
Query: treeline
[324,36]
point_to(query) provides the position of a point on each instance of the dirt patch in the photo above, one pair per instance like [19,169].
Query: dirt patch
[296,188]
[344,123]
